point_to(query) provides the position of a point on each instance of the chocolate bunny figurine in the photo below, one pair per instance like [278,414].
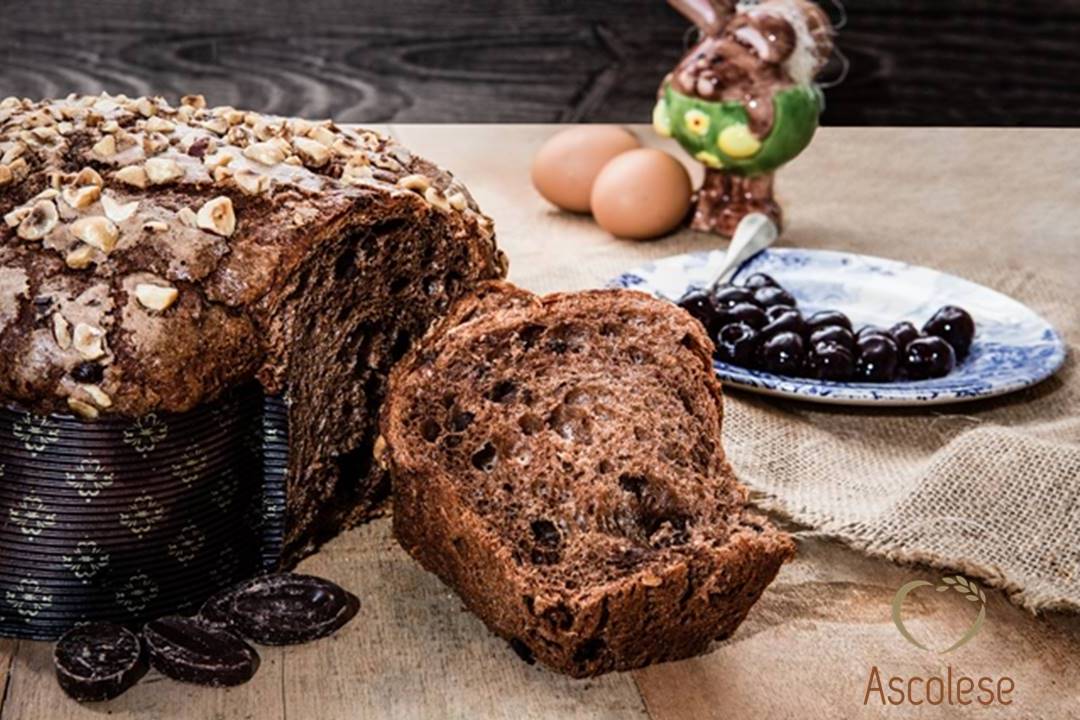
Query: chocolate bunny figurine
[743,101]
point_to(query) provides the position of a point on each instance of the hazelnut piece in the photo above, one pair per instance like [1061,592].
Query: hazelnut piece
[155,297]
[39,221]
[161,171]
[217,216]
[97,231]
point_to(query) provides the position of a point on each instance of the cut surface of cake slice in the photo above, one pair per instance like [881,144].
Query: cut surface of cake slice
[557,462]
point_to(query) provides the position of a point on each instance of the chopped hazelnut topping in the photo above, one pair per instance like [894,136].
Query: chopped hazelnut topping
[19,169]
[155,143]
[13,218]
[218,125]
[155,297]
[155,226]
[218,159]
[322,134]
[134,175]
[80,258]
[251,183]
[89,176]
[356,174]
[97,231]
[89,341]
[187,217]
[161,171]
[118,212]
[197,102]
[99,396]
[457,200]
[61,331]
[39,221]
[217,216]
[160,125]
[145,107]
[437,199]
[6,176]
[105,147]
[83,409]
[81,197]
[266,153]
[13,153]
[418,183]
[234,117]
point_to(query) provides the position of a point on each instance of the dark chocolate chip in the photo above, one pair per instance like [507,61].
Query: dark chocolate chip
[98,661]
[288,608]
[194,651]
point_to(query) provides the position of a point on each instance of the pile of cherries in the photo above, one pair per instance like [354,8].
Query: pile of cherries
[757,325]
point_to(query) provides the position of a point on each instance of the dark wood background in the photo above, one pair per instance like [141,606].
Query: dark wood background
[913,62]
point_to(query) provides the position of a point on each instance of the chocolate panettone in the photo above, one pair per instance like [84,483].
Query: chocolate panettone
[154,257]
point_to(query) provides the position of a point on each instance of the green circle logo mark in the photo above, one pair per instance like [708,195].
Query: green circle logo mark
[971,592]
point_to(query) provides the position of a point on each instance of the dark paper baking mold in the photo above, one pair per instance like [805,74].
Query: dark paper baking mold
[128,520]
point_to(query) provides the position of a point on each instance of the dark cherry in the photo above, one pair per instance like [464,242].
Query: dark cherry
[829,360]
[737,343]
[760,280]
[834,334]
[88,372]
[928,357]
[877,358]
[827,317]
[768,296]
[953,325]
[783,354]
[787,319]
[726,297]
[700,306]
[902,333]
[747,313]
[868,330]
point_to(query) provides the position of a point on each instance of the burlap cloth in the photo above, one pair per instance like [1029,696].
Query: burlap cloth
[990,488]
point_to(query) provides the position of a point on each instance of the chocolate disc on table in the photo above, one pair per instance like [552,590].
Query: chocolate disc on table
[191,650]
[288,608]
[98,661]
[216,610]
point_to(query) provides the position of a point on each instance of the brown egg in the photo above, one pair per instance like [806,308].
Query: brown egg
[566,165]
[641,194]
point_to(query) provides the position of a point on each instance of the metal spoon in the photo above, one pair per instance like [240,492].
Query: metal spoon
[754,233]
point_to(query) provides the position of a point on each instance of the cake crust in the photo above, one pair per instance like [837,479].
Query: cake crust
[557,462]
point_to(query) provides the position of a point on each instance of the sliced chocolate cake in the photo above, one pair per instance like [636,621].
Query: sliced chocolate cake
[557,462]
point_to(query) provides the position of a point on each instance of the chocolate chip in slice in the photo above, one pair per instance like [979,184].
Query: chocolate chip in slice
[98,661]
[191,650]
[288,608]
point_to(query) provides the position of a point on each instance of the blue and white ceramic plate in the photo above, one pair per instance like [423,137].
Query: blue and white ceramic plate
[1014,348]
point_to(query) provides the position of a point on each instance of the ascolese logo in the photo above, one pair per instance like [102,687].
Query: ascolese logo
[972,592]
[948,687]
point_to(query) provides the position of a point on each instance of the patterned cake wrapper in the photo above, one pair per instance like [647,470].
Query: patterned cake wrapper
[128,520]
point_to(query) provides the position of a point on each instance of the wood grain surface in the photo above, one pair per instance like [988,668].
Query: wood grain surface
[913,62]
[807,647]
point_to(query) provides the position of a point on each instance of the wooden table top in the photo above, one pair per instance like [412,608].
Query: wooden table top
[807,648]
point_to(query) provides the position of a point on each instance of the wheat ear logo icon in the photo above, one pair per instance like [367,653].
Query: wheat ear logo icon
[970,591]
